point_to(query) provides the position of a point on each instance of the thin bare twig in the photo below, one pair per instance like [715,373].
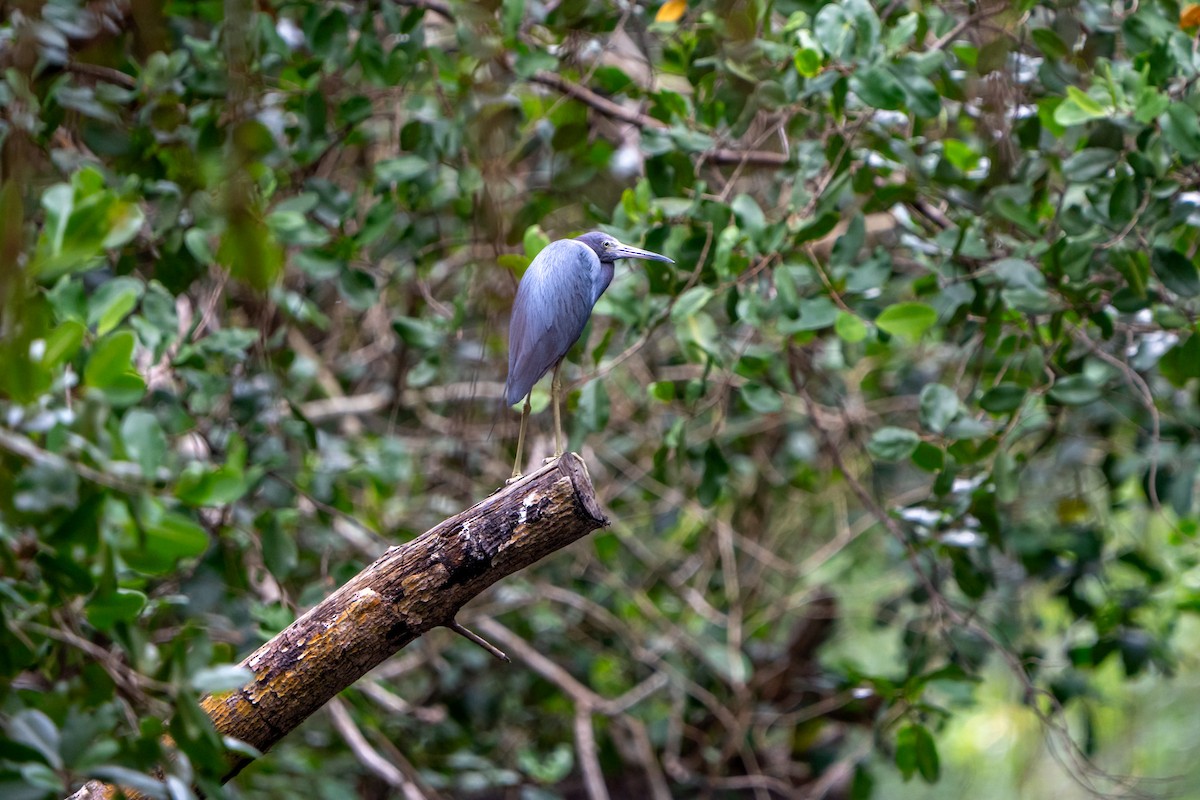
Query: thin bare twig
[610,108]
[475,638]
[368,756]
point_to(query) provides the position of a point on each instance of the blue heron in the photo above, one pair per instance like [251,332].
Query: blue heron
[554,300]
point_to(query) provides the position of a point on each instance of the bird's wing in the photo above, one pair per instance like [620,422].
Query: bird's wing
[553,303]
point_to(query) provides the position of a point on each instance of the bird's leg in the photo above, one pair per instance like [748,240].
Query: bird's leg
[520,441]
[555,395]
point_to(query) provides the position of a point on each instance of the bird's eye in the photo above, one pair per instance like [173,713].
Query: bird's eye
[608,245]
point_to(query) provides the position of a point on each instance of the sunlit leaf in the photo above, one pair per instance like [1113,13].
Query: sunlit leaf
[671,11]
[906,320]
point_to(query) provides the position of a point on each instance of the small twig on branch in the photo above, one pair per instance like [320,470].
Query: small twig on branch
[475,638]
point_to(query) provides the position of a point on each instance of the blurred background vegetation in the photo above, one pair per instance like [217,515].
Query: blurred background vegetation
[901,452]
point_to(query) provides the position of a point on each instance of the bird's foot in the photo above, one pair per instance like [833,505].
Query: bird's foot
[513,479]
[549,459]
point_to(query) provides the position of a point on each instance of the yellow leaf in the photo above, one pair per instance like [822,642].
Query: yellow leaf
[671,11]
[1188,18]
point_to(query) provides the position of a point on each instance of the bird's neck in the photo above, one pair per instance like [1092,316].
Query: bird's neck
[603,279]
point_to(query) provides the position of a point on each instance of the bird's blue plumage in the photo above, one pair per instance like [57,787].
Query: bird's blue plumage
[552,307]
[553,303]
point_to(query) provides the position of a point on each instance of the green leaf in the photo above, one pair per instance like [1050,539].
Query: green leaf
[280,552]
[690,303]
[920,95]
[761,399]
[165,537]
[82,220]
[144,440]
[939,405]
[1149,104]
[511,14]
[1078,108]
[549,770]
[196,240]
[716,468]
[203,486]
[1181,129]
[892,444]
[906,320]
[112,302]
[1176,271]
[1182,362]
[534,240]
[808,62]
[531,62]
[1024,285]
[926,754]
[123,605]
[1089,164]
[1049,43]
[1004,398]
[594,406]
[63,343]
[850,328]
[834,31]
[662,391]
[293,228]
[906,752]
[691,141]
[110,359]
[358,288]
[417,332]
[749,215]
[818,227]
[515,262]
[816,313]
[1075,390]
[849,244]
[929,457]
[250,251]
[221,678]
[878,88]
[960,154]
[863,785]
[32,728]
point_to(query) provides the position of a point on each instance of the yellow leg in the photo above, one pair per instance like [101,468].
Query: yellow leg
[520,441]
[555,394]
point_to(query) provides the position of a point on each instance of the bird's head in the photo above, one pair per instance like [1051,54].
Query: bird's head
[609,249]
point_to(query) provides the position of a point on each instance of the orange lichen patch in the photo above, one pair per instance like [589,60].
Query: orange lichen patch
[364,603]
[229,710]
[288,670]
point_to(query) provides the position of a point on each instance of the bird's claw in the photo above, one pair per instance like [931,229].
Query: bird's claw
[513,480]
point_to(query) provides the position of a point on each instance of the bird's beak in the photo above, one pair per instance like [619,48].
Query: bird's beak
[626,251]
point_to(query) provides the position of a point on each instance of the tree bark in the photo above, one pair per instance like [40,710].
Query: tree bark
[407,591]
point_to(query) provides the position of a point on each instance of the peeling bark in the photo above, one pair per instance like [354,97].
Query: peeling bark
[407,591]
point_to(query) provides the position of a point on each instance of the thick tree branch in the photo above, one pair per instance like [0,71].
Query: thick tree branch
[407,591]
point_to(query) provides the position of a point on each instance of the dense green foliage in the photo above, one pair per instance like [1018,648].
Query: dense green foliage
[917,402]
